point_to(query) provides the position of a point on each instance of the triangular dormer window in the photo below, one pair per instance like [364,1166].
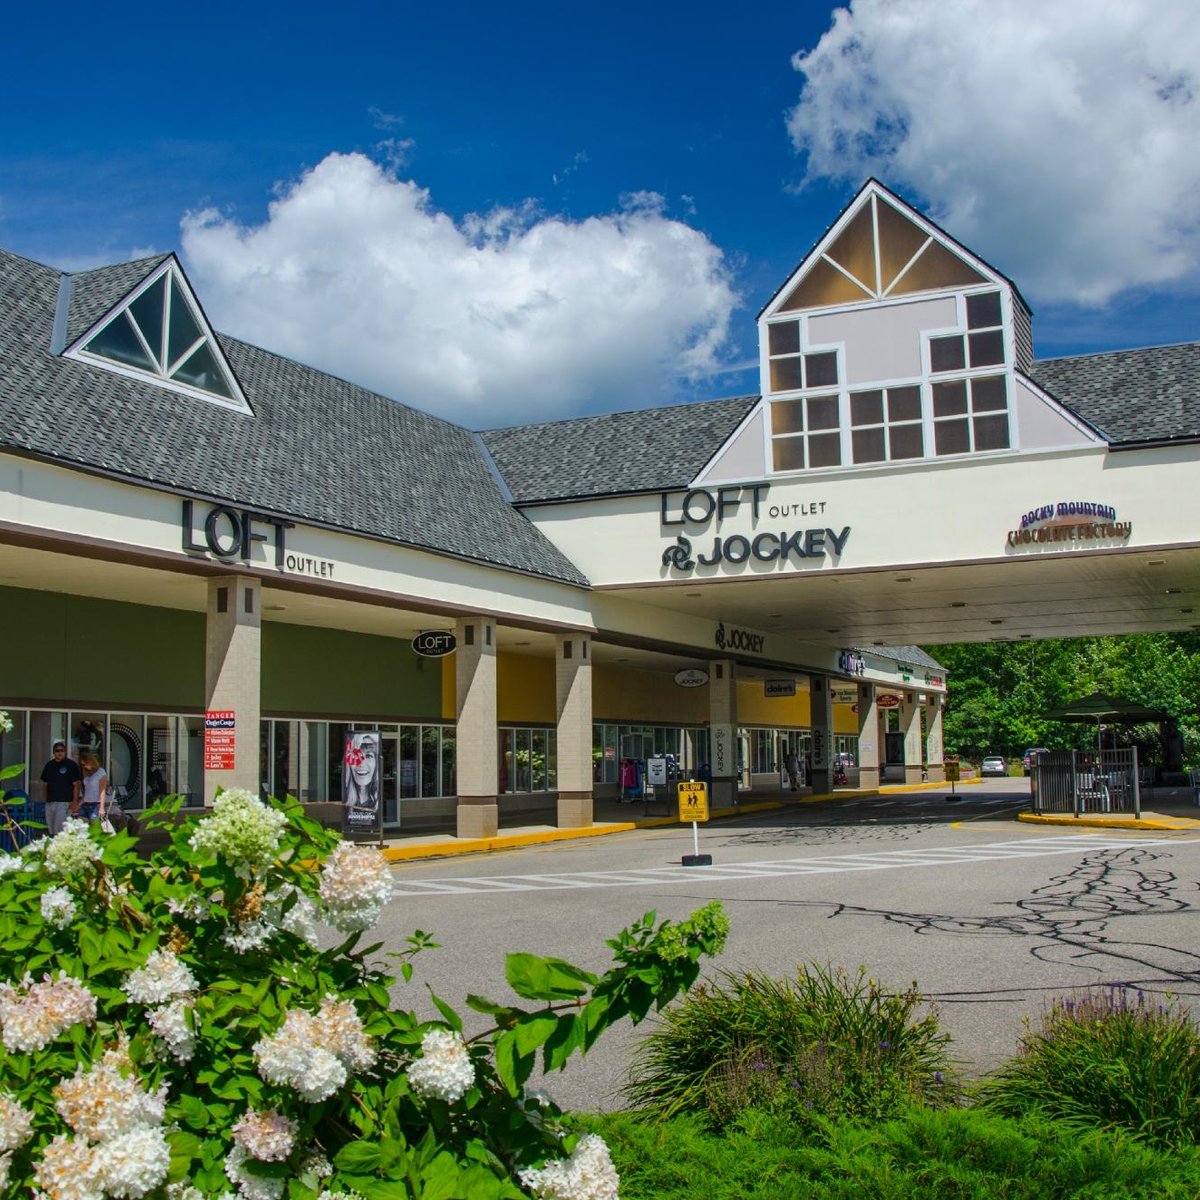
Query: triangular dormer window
[160,331]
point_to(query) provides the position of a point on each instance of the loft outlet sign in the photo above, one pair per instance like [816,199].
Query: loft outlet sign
[706,513]
[229,534]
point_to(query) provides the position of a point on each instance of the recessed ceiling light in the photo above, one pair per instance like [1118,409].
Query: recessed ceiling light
[274,608]
[1027,635]
[693,595]
[904,579]
[1156,562]
[774,616]
[520,643]
[833,631]
[622,660]
[958,604]
[1172,591]
[1186,611]
[879,643]
[996,621]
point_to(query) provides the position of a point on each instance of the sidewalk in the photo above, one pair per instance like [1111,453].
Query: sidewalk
[610,816]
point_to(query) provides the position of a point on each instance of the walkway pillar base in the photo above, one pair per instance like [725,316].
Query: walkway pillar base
[868,778]
[478,817]
[913,774]
[574,810]
[937,773]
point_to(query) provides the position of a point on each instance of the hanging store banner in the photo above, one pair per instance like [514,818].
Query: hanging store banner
[691,677]
[434,643]
[220,735]
[362,811]
[779,687]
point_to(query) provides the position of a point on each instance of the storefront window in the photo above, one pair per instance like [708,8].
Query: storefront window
[430,746]
[126,763]
[12,753]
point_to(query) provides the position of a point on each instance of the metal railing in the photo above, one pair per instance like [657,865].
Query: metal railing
[1087,781]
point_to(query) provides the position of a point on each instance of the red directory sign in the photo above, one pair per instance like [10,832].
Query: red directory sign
[220,731]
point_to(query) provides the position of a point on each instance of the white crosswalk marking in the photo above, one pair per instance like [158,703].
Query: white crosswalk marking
[1074,843]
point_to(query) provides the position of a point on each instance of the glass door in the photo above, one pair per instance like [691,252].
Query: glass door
[389,769]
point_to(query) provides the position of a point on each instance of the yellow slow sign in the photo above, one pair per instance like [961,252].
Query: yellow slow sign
[693,800]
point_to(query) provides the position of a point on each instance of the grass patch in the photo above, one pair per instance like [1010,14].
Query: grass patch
[827,1043]
[1111,1059]
[952,1154]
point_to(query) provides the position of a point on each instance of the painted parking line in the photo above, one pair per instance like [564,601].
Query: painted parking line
[1074,843]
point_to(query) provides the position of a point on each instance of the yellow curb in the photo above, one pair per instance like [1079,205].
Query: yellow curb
[502,841]
[1099,821]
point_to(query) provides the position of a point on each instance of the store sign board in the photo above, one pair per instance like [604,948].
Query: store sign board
[779,687]
[851,663]
[845,695]
[434,643]
[887,701]
[691,677]
[220,736]
[229,534]
[1065,523]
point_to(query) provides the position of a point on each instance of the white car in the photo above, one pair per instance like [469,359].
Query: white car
[993,765]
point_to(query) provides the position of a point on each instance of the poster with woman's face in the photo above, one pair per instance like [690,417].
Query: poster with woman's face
[361,809]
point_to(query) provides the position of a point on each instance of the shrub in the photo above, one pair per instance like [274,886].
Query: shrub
[827,1042]
[921,1153]
[172,1028]
[1107,1057]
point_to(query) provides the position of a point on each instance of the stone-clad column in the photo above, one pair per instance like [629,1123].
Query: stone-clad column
[722,733]
[868,737]
[821,696]
[934,749]
[573,694]
[910,727]
[233,681]
[476,739]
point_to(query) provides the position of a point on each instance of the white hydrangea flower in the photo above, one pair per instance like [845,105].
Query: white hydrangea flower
[445,1070]
[160,978]
[32,1015]
[247,936]
[133,1163]
[250,1187]
[242,830]
[16,1124]
[301,918]
[315,1163]
[316,1055]
[183,1191]
[71,850]
[58,907]
[170,1023]
[5,1167]
[267,1136]
[9,862]
[5,722]
[67,1170]
[108,1101]
[355,885]
[588,1174]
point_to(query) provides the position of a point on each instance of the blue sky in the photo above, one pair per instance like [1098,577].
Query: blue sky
[528,214]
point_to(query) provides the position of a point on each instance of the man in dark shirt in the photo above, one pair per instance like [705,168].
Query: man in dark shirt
[62,779]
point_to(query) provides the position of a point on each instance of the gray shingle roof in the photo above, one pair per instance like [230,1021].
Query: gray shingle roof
[94,292]
[647,450]
[1130,395]
[301,454]
[907,654]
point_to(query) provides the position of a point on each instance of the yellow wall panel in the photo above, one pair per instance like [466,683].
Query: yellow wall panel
[525,690]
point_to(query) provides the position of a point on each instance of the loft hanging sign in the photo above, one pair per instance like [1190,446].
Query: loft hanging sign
[434,643]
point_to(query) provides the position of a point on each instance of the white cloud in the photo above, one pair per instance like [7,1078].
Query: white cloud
[504,317]
[1059,139]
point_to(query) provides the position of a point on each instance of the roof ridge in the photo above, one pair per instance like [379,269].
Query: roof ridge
[1037,362]
[623,412]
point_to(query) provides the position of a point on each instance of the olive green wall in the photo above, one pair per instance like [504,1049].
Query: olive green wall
[61,650]
[327,671]
[66,650]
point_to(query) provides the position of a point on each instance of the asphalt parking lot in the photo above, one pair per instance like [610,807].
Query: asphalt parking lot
[991,917]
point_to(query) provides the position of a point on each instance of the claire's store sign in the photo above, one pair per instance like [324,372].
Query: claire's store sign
[1069,522]
[851,663]
[703,512]
[230,534]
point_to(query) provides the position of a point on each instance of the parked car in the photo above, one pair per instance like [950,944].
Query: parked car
[1030,755]
[993,765]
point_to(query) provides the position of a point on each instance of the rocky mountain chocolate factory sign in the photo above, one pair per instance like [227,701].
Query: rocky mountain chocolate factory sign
[701,512]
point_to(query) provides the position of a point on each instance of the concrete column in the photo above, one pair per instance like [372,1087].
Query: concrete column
[477,743]
[573,694]
[233,683]
[868,737]
[722,733]
[934,749]
[910,727]
[821,695]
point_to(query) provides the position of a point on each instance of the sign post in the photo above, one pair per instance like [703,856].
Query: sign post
[693,806]
[953,770]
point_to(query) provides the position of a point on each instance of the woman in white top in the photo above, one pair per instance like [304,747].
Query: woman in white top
[95,789]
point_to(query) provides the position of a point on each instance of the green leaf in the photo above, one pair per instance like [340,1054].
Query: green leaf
[452,1018]
[532,1032]
[359,1157]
